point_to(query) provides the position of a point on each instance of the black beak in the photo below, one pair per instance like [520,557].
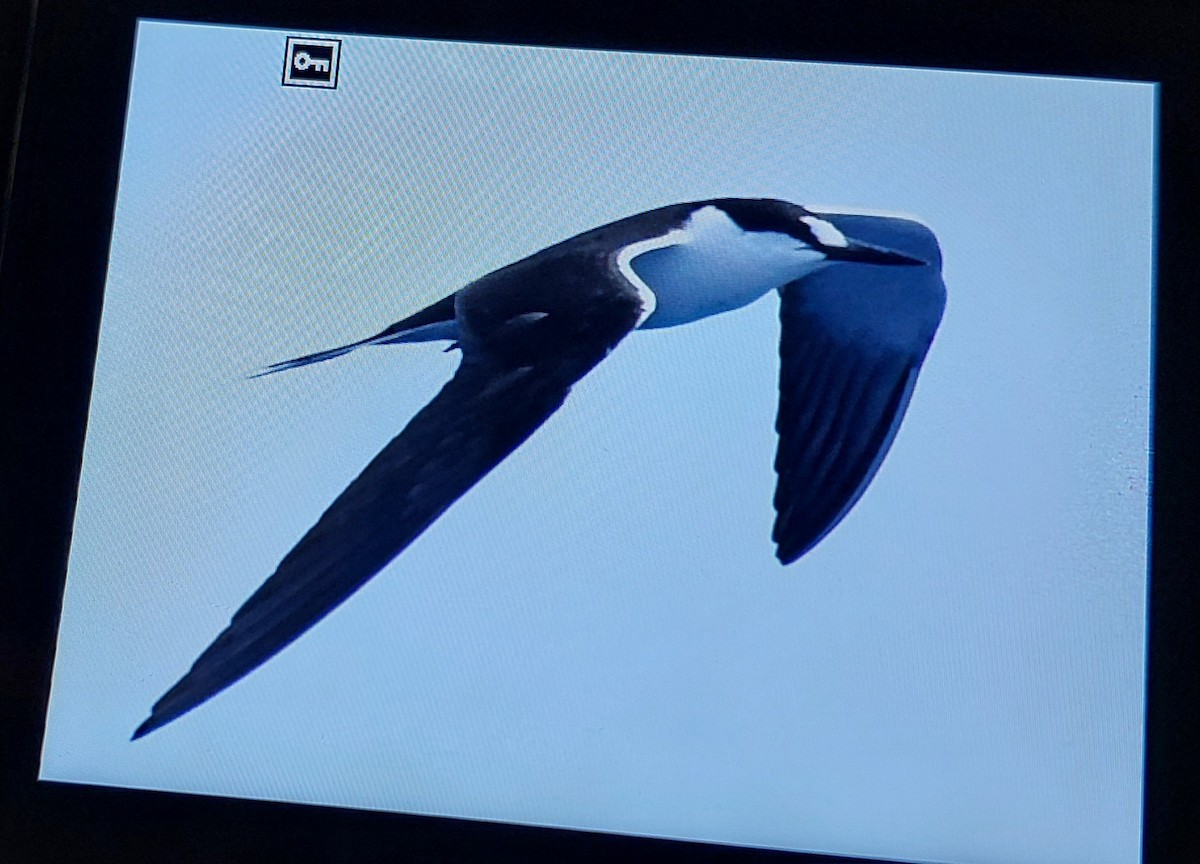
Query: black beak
[868,253]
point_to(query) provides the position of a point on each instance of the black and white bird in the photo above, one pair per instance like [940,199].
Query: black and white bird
[861,298]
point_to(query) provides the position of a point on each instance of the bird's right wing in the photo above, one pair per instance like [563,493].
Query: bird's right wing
[513,376]
[853,339]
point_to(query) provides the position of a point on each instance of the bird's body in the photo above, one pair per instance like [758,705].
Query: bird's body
[528,331]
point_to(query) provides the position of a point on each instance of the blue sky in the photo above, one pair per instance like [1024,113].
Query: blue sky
[598,635]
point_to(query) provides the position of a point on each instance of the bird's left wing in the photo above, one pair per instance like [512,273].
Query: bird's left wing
[520,358]
[853,339]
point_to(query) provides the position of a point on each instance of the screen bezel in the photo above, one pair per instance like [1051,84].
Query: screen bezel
[53,269]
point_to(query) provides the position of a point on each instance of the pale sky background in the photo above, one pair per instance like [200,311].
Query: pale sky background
[598,635]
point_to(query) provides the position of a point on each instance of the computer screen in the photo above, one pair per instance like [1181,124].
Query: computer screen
[599,633]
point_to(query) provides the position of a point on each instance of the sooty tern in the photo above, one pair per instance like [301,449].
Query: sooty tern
[861,297]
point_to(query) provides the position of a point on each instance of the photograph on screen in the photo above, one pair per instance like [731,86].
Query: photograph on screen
[744,451]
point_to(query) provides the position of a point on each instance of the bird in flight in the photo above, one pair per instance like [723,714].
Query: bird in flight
[860,300]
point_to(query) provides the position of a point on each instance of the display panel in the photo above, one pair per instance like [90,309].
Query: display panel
[599,635]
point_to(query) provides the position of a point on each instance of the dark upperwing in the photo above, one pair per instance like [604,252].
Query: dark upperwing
[853,340]
[527,334]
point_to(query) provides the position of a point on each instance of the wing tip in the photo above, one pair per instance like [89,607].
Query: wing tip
[789,554]
[791,546]
[148,725]
[176,702]
[166,710]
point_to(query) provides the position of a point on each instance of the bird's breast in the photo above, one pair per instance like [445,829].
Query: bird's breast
[691,281]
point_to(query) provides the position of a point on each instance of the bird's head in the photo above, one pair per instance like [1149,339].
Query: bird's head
[790,226]
[725,253]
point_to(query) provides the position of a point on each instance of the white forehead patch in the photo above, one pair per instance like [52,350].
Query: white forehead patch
[825,233]
[708,222]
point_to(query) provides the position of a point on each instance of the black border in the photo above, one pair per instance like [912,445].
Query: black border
[50,289]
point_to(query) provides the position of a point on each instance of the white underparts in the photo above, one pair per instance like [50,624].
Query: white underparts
[710,265]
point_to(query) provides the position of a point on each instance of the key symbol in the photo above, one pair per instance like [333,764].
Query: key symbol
[302,60]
